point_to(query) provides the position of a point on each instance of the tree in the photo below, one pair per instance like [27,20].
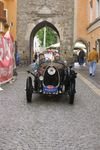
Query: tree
[51,36]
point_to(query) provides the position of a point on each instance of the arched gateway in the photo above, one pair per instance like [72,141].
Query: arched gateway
[33,15]
[36,29]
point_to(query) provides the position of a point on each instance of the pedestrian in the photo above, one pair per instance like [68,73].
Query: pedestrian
[92,59]
[25,58]
[35,56]
[81,57]
[17,58]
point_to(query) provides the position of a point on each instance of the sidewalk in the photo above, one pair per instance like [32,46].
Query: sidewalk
[83,70]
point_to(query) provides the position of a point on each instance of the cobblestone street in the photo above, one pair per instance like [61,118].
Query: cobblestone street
[48,123]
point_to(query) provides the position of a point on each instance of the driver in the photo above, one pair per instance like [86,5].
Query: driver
[36,63]
[41,58]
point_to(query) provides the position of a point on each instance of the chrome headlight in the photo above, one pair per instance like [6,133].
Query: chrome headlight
[51,70]
[41,78]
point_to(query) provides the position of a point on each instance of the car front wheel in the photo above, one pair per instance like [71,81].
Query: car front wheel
[71,99]
[72,92]
[29,89]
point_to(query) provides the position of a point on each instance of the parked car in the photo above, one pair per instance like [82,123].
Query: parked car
[51,77]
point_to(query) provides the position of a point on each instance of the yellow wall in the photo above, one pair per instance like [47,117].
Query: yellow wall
[11,5]
[81,18]
[85,28]
[95,33]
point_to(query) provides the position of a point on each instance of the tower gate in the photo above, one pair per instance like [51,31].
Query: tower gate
[57,13]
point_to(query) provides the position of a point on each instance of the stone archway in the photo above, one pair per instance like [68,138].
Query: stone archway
[30,13]
[35,30]
[79,44]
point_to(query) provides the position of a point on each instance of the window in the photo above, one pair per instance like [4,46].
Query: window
[98,46]
[91,9]
[88,46]
[5,13]
[1,26]
[97,8]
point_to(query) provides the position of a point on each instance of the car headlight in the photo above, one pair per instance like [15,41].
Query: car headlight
[51,70]
[41,78]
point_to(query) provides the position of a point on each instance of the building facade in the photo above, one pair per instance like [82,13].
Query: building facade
[72,20]
[87,25]
[8,15]
[2,17]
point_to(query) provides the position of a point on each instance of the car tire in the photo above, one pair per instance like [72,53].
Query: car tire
[72,92]
[71,99]
[29,89]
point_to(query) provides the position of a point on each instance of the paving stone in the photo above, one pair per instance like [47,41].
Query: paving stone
[48,123]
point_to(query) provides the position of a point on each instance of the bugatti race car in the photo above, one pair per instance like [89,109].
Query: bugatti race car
[51,77]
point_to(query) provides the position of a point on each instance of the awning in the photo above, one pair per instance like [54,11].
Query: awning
[79,45]
[57,45]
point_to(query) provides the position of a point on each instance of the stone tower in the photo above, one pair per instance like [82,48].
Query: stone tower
[34,14]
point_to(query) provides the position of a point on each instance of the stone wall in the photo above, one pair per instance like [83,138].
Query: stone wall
[60,13]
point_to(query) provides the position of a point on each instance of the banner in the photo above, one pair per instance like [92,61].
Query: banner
[6,58]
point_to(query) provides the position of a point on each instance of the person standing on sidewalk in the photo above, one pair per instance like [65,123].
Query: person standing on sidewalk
[81,57]
[92,59]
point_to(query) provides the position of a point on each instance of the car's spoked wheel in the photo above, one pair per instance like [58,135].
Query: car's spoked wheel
[72,92]
[29,89]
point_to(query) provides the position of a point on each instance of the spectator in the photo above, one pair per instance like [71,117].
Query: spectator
[81,57]
[25,58]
